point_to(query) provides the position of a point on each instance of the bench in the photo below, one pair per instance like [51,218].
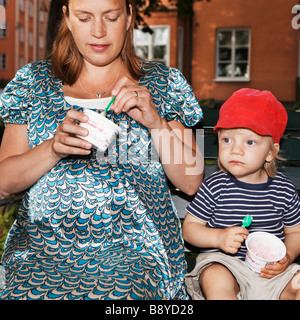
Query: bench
[290,150]
[290,147]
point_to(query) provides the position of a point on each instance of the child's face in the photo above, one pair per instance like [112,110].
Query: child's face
[243,153]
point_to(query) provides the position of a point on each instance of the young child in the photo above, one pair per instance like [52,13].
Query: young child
[249,128]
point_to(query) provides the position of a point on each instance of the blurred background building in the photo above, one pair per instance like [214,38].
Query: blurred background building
[223,46]
[24,38]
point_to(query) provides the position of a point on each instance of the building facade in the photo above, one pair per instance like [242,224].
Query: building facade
[230,44]
[23,39]
[224,46]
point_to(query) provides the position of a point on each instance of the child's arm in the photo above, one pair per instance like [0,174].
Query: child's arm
[292,243]
[196,233]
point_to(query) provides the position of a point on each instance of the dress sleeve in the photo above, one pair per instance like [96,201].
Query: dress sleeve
[182,104]
[16,97]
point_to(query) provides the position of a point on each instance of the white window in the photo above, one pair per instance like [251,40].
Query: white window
[233,55]
[30,38]
[41,42]
[22,5]
[154,46]
[30,4]
[2,16]
[21,34]
[42,16]
[21,61]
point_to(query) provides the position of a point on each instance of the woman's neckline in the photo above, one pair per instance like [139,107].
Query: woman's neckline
[88,103]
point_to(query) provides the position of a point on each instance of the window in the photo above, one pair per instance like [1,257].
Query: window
[22,5]
[2,17]
[21,34]
[42,16]
[30,4]
[2,61]
[41,42]
[30,40]
[153,46]
[3,31]
[233,55]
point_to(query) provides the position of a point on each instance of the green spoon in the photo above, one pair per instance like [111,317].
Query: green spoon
[247,221]
[104,112]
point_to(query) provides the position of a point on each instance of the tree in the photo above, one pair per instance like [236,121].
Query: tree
[185,8]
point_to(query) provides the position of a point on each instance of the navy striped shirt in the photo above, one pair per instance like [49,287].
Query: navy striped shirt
[223,201]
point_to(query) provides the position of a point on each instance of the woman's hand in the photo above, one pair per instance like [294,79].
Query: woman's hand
[137,102]
[65,141]
[177,150]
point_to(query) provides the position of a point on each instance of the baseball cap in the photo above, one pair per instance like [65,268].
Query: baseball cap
[256,110]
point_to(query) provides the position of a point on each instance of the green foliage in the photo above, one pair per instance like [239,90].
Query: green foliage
[7,217]
[3,82]
[185,8]
[296,105]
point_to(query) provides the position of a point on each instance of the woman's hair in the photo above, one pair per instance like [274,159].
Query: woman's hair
[67,61]
[269,167]
[55,16]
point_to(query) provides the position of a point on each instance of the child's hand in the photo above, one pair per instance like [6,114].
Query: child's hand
[231,239]
[273,270]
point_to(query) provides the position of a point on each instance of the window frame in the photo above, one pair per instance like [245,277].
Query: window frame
[233,60]
[3,61]
[151,43]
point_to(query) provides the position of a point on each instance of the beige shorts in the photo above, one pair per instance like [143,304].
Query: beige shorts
[252,286]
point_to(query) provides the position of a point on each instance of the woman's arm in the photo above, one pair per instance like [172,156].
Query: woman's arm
[292,242]
[180,156]
[21,167]
[175,144]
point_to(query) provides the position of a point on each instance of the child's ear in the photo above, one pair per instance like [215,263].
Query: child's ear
[273,153]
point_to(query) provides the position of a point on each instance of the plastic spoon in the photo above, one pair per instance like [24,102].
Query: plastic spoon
[247,221]
[104,112]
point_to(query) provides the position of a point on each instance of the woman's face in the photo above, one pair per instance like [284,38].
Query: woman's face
[98,28]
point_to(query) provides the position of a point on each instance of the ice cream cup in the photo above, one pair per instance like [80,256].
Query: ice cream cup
[102,131]
[263,248]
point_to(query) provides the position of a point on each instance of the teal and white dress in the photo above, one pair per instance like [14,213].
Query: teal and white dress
[101,226]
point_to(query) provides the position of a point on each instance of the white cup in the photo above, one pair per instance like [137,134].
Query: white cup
[101,130]
[263,248]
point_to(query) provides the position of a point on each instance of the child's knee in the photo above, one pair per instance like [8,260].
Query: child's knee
[292,290]
[213,273]
[218,282]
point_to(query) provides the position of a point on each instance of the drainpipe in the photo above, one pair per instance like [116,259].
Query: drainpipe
[295,10]
[190,49]
[298,77]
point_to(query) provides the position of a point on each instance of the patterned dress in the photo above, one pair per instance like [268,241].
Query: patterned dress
[101,226]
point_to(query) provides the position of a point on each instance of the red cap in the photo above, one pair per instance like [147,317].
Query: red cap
[256,110]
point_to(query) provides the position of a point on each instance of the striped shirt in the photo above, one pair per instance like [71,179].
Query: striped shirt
[223,201]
